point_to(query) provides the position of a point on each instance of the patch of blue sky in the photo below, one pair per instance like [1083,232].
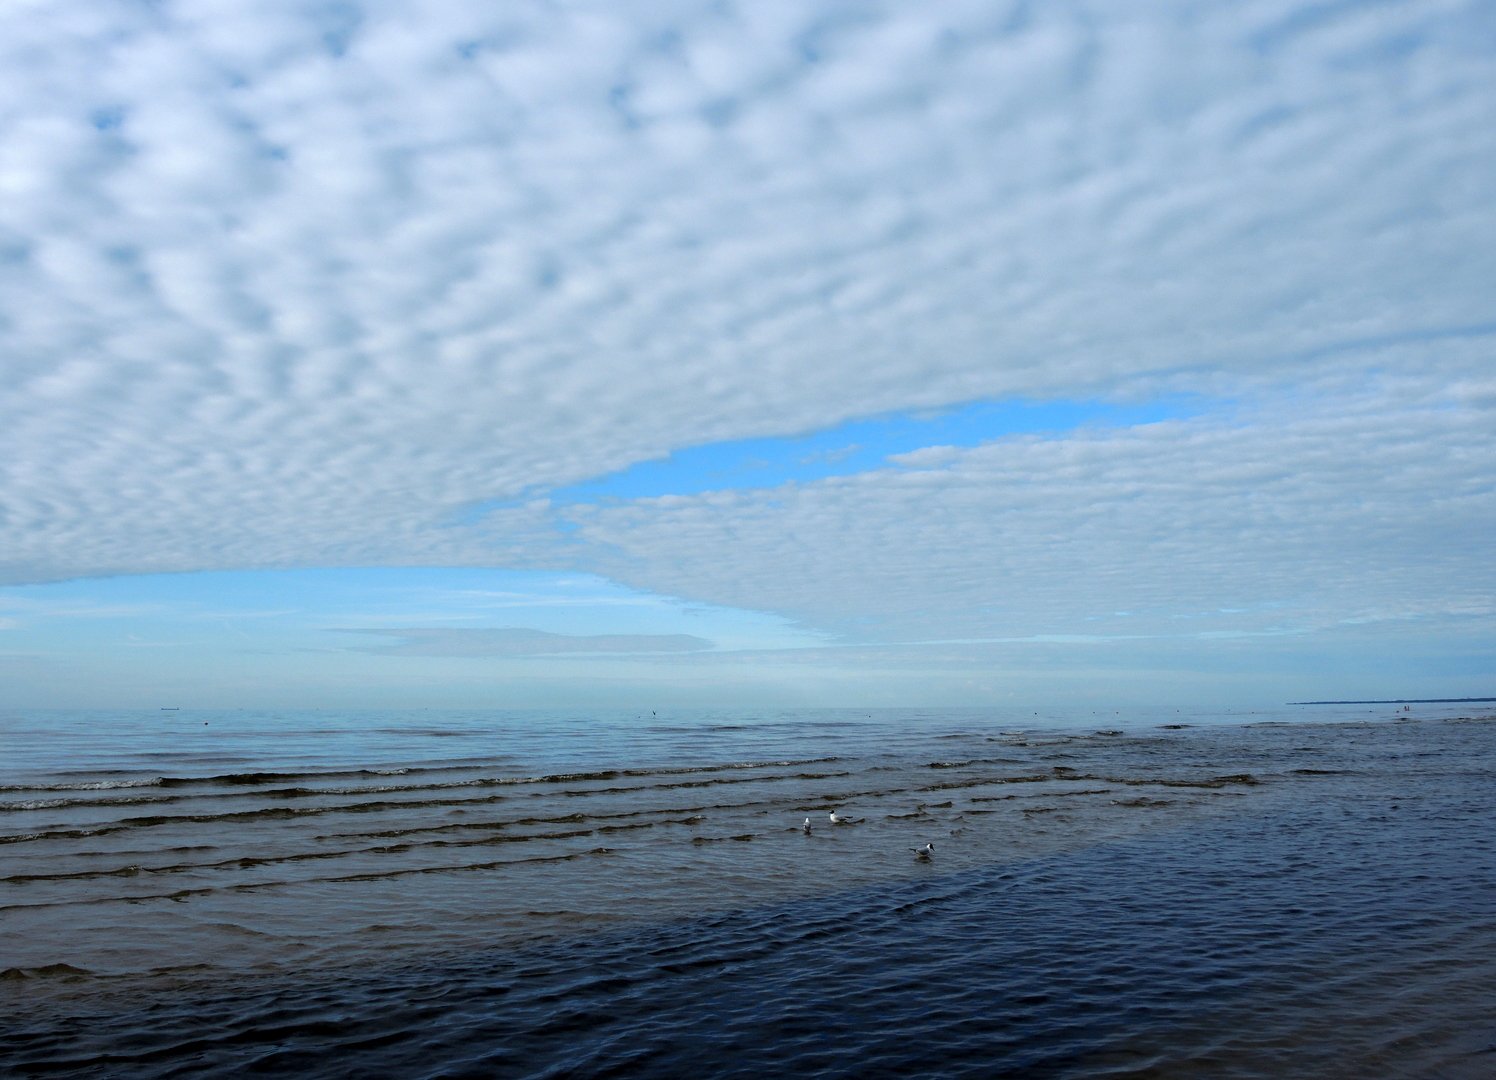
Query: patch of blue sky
[858,446]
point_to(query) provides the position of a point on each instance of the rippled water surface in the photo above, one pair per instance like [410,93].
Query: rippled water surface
[1305,893]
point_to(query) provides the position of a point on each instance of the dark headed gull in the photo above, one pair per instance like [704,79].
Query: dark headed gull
[842,819]
[924,854]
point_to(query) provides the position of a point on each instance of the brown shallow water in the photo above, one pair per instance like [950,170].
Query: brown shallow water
[1307,899]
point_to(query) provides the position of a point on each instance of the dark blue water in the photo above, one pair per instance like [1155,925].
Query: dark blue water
[1335,918]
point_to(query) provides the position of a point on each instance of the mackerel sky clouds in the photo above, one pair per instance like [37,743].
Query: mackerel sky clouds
[833,353]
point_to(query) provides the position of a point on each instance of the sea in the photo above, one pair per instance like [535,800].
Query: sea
[1304,891]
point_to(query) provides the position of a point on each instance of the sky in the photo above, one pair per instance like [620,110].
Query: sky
[784,352]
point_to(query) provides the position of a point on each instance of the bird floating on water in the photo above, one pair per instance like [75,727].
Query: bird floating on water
[806,827]
[924,854]
[842,819]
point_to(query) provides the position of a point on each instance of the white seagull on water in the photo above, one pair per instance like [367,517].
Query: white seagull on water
[806,827]
[924,854]
[841,819]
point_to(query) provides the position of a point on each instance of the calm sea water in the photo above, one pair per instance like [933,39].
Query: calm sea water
[1309,892]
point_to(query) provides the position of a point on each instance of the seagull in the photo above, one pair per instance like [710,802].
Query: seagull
[924,854]
[838,819]
[806,827]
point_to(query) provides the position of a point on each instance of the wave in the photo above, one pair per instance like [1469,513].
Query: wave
[86,785]
[260,779]
[284,813]
[240,862]
[299,793]
[45,971]
[56,804]
[372,875]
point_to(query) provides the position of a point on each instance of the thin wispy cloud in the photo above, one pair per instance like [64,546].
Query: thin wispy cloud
[521,641]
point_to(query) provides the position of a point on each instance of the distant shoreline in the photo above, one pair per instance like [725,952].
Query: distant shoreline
[1401,701]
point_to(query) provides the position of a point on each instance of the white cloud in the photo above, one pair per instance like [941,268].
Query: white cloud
[299,289]
[523,641]
[1324,512]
